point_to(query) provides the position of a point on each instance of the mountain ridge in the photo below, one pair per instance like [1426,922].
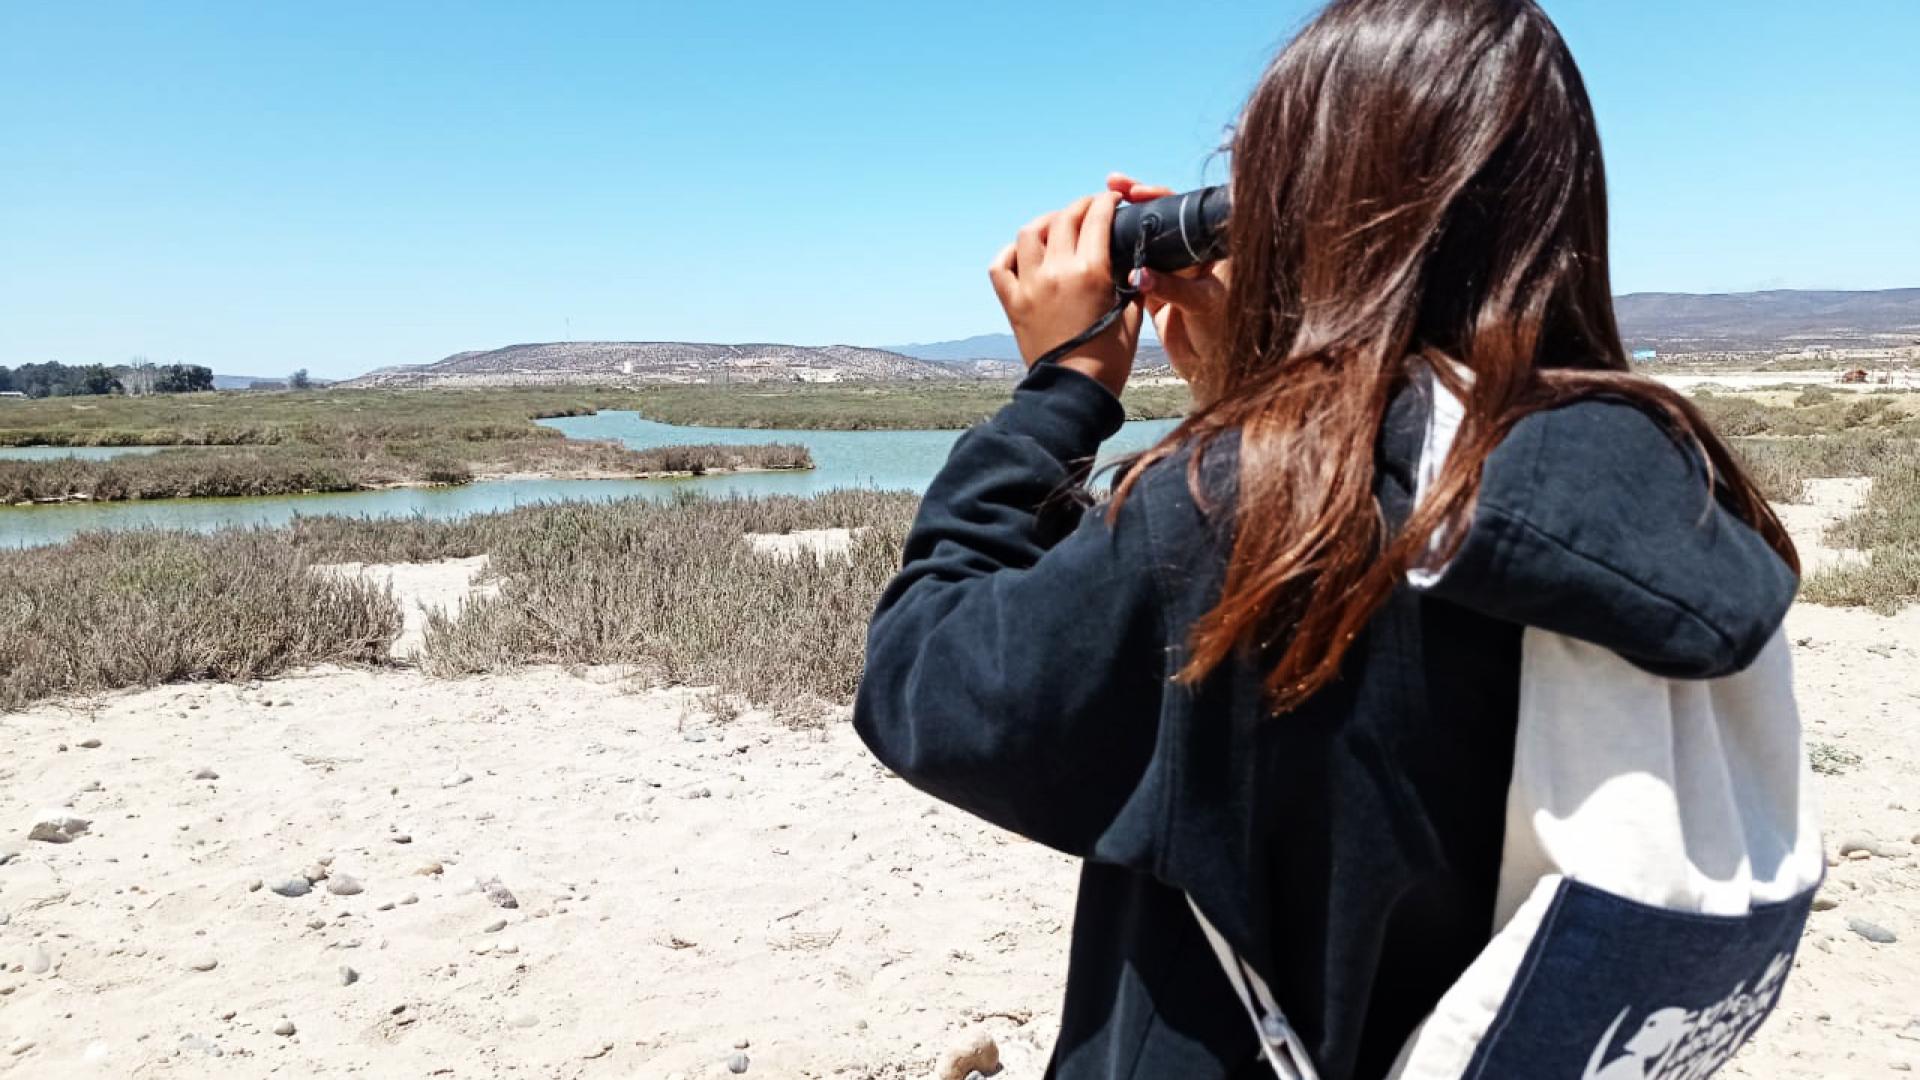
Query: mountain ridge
[559,363]
[1682,322]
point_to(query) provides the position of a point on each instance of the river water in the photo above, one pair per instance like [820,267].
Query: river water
[886,460]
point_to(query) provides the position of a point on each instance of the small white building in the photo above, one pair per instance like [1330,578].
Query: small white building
[12,394]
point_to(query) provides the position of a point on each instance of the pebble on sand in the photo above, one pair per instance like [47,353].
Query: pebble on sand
[348,976]
[88,744]
[203,963]
[974,1051]
[344,885]
[496,926]
[456,780]
[204,773]
[738,1063]
[1873,932]
[284,1027]
[58,827]
[38,962]
[1856,847]
[293,886]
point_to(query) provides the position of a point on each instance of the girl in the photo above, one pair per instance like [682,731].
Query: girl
[1420,515]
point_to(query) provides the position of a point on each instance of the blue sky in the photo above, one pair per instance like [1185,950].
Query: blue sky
[260,187]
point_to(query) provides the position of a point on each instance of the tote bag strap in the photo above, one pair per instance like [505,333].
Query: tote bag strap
[1279,1043]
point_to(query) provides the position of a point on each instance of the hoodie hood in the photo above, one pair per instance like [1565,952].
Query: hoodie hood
[1594,522]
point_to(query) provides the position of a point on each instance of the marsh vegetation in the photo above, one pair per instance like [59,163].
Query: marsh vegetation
[289,443]
[294,468]
[671,589]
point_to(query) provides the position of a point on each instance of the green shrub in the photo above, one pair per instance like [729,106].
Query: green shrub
[1831,760]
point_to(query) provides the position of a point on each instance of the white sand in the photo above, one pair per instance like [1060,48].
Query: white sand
[681,885]
[819,543]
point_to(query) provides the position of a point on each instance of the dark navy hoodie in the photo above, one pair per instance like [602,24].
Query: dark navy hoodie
[1020,667]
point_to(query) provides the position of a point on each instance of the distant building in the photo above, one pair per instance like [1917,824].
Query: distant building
[1646,354]
[11,394]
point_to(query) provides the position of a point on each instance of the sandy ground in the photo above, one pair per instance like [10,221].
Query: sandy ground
[682,886]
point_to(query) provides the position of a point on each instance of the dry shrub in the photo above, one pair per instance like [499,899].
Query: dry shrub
[387,540]
[1888,528]
[179,474]
[359,463]
[1782,466]
[674,590]
[111,610]
[711,457]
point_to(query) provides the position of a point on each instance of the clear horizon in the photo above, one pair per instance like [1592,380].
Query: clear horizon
[264,189]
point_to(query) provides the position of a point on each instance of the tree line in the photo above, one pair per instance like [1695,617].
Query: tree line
[53,379]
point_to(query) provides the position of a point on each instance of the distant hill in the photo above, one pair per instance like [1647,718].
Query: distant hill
[1002,347]
[977,347]
[1782,319]
[616,362]
[1778,319]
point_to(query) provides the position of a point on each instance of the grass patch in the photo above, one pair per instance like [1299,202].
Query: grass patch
[112,610]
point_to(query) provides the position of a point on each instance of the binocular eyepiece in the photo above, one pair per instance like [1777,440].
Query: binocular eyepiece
[1172,233]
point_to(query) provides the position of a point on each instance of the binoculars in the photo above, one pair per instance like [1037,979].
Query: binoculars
[1172,233]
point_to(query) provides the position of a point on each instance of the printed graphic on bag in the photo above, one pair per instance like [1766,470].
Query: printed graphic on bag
[1686,1044]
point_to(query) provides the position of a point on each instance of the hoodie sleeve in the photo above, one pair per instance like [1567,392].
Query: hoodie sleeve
[1595,523]
[1014,666]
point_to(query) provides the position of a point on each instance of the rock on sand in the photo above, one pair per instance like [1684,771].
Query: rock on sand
[58,826]
[974,1051]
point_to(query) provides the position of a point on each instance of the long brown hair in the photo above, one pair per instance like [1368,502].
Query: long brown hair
[1412,180]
